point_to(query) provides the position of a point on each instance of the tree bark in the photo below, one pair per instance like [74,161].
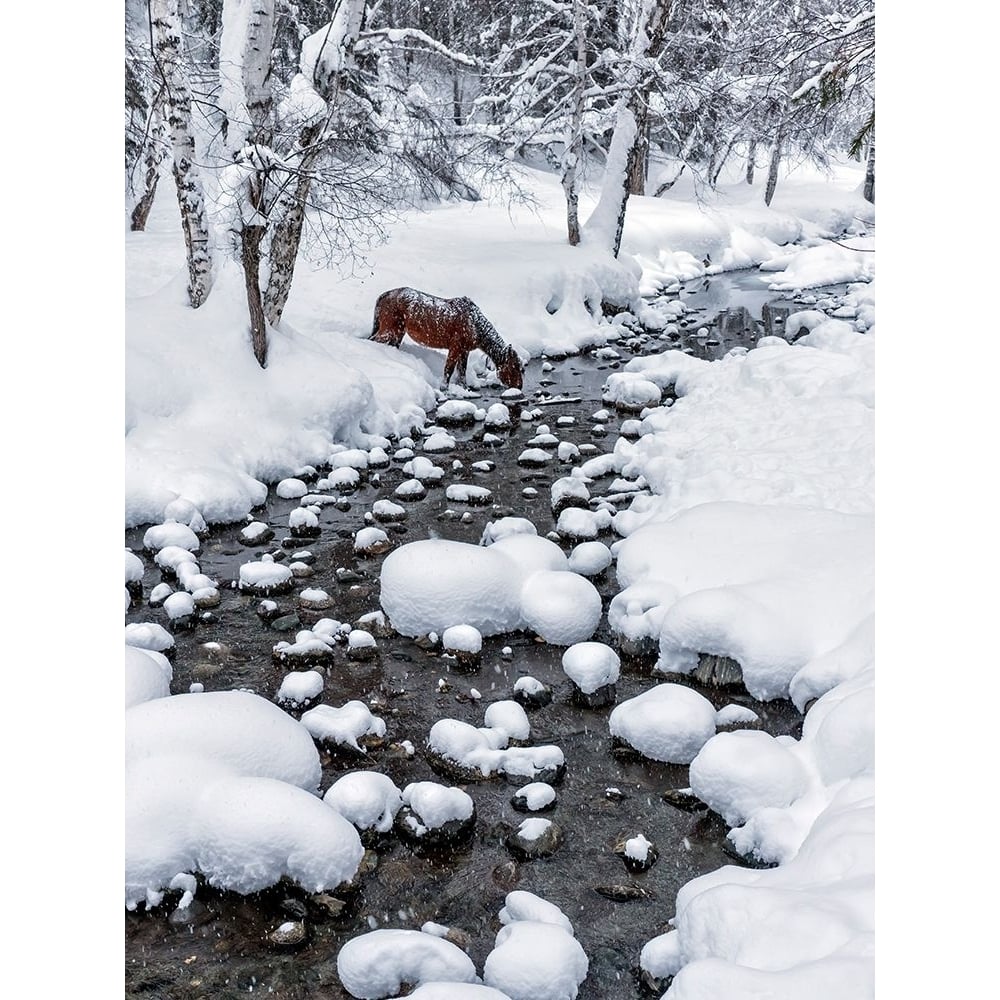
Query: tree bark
[287,235]
[156,146]
[772,170]
[638,161]
[870,174]
[751,161]
[647,41]
[574,139]
[190,192]
[250,240]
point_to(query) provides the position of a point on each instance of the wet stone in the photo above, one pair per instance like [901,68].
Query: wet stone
[718,671]
[285,623]
[507,875]
[528,847]
[600,698]
[623,892]
[193,915]
[326,907]
[345,575]
[290,935]
[683,799]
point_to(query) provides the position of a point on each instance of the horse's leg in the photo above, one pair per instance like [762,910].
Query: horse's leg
[463,364]
[449,366]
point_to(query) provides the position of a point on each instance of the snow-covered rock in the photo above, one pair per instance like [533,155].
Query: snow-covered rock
[591,665]
[147,675]
[367,799]
[669,722]
[563,608]
[377,964]
[533,960]
[433,584]
[343,726]
[300,687]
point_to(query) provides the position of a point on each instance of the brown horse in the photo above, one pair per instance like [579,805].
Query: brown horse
[453,324]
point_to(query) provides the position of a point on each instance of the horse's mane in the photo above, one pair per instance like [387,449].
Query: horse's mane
[488,340]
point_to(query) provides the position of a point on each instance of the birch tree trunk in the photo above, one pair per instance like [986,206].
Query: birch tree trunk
[167,52]
[574,139]
[156,151]
[607,222]
[287,235]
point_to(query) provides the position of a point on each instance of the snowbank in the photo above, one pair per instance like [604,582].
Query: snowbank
[204,422]
[223,783]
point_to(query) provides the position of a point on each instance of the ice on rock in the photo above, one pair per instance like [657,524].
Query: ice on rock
[563,608]
[377,964]
[591,665]
[387,511]
[661,957]
[590,558]
[148,635]
[669,723]
[300,686]
[343,726]
[433,584]
[533,960]
[367,799]
[456,411]
[159,536]
[147,676]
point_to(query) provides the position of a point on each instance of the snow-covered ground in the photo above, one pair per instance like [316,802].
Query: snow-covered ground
[204,422]
[755,544]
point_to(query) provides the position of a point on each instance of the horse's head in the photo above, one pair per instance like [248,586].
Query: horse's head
[510,369]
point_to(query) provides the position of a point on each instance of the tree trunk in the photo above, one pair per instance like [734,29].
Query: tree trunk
[607,222]
[287,235]
[751,160]
[156,151]
[250,240]
[772,170]
[870,174]
[190,193]
[714,176]
[639,157]
[574,138]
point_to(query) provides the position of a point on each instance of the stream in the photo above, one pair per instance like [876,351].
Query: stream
[225,952]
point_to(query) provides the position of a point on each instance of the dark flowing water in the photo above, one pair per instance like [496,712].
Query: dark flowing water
[228,954]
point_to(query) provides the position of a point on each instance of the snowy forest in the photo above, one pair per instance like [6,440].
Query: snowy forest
[499,499]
